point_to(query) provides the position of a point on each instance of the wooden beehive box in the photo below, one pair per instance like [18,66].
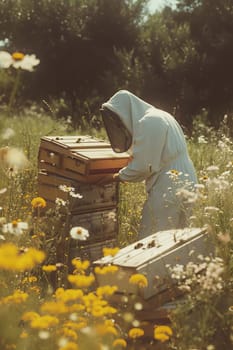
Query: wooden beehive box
[151,257]
[81,158]
[94,197]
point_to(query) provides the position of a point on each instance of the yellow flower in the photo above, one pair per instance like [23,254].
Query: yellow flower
[43,322]
[139,280]
[53,307]
[49,268]
[106,290]
[120,342]
[80,265]
[106,269]
[17,297]
[38,202]
[136,333]
[29,316]
[68,333]
[17,56]
[12,259]
[81,281]
[162,333]
[67,295]
[30,279]
[110,251]
[103,329]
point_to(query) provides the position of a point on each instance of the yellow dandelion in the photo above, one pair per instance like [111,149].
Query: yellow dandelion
[67,295]
[106,290]
[136,333]
[44,322]
[38,202]
[81,281]
[54,307]
[110,251]
[29,316]
[106,269]
[80,265]
[162,333]
[49,268]
[119,343]
[18,297]
[139,280]
[17,56]
[68,333]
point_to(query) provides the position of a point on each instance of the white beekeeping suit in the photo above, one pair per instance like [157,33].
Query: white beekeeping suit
[159,156]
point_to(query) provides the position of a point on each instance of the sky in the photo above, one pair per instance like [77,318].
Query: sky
[158,4]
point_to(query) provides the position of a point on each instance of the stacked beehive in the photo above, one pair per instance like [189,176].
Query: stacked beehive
[79,162]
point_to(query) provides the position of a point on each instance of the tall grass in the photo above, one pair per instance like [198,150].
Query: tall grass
[78,317]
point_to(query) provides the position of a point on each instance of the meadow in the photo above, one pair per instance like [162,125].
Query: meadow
[36,315]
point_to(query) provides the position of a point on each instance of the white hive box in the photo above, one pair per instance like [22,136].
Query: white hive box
[151,257]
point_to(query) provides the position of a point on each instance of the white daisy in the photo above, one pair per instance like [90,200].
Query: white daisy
[15,227]
[79,233]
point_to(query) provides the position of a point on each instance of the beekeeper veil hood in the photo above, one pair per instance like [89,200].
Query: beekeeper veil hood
[120,114]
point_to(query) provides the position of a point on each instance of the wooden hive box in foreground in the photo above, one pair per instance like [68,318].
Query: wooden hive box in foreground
[151,257]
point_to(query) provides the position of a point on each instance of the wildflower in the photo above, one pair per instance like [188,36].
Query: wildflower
[67,295]
[173,173]
[106,269]
[25,62]
[43,322]
[66,188]
[81,281]
[110,251]
[139,280]
[106,290]
[29,316]
[162,333]
[16,227]
[136,332]
[5,59]
[76,195]
[79,233]
[49,268]
[202,139]
[18,297]
[60,202]
[119,342]
[54,307]
[11,259]
[38,202]
[80,266]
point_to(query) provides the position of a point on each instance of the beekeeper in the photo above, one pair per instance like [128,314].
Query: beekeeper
[159,156]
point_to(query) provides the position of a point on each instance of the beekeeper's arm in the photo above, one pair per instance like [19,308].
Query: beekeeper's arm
[148,145]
